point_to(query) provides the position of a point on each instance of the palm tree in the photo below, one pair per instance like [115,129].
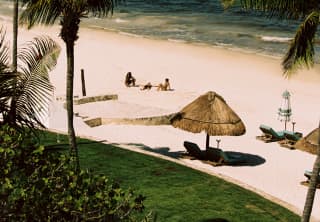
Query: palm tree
[300,53]
[70,13]
[14,54]
[15,35]
[29,84]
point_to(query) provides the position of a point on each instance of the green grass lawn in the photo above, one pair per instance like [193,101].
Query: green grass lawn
[173,191]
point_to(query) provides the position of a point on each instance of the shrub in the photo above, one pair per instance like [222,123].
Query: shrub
[41,185]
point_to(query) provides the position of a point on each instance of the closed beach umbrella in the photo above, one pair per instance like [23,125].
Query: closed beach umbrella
[211,114]
[309,143]
[284,111]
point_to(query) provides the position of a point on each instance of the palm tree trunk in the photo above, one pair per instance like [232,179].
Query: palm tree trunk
[69,93]
[312,186]
[15,35]
[11,118]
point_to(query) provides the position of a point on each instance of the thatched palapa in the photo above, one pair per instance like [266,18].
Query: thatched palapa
[209,113]
[309,143]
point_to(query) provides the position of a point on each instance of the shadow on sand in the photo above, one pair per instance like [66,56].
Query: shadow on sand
[248,159]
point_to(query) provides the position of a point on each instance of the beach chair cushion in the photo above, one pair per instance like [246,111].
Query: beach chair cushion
[292,136]
[269,131]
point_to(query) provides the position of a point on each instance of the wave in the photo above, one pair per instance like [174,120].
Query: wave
[245,35]
[131,34]
[177,40]
[224,45]
[119,20]
[275,39]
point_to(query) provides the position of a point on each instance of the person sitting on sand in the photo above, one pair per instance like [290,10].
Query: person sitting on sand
[165,86]
[130,80]
[147,86]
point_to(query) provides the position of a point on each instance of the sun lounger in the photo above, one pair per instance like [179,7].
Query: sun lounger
[215,156]
[194,150]
[293,136]
[308,174]
[219,157]
[269,134]
[290,139]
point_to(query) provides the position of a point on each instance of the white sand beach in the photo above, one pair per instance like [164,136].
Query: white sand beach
[251,84]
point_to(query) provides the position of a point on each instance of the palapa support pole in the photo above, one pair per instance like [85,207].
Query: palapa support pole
[285,125]
[293,123]
[218,142]
[207,141]
[83,83]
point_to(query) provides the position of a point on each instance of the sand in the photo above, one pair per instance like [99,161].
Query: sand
[251,84]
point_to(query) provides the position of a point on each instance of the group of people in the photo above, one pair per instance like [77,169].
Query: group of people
[131,81]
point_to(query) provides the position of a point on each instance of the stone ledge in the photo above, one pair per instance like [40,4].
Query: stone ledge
[92,99]
[147,121]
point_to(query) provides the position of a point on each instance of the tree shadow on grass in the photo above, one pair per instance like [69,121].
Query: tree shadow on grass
[247,158]
[215,220]
[160,150]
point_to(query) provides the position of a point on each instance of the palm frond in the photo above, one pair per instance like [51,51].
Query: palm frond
[33,88]
[40,11]
[39,56]
[6,77]
[292,9]
[301,51]
[99,7]
[4,52]
[5,95]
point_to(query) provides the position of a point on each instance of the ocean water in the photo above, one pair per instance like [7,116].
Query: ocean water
[202,22]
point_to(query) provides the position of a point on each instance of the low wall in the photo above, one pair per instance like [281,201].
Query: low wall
[95,99]
[147,121]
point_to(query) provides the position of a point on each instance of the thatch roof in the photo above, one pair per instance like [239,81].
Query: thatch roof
[209,113]
[309,143]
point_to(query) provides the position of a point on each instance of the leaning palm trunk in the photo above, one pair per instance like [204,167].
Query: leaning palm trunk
[312,186]
[69,93]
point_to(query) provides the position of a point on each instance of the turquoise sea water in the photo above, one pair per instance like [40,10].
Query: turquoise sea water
[194,21]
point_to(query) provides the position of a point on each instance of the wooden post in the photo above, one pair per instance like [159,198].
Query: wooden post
[207,141]
[83,83]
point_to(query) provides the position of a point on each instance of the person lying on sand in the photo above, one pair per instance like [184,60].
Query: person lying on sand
[147,86]
[129,80]
[165,86]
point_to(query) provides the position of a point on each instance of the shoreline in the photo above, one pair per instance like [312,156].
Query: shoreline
[180,41]
[251,84]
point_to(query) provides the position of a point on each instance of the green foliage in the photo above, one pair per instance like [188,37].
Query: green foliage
[26,92]
[283,9]
[38,185]
[301,51]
